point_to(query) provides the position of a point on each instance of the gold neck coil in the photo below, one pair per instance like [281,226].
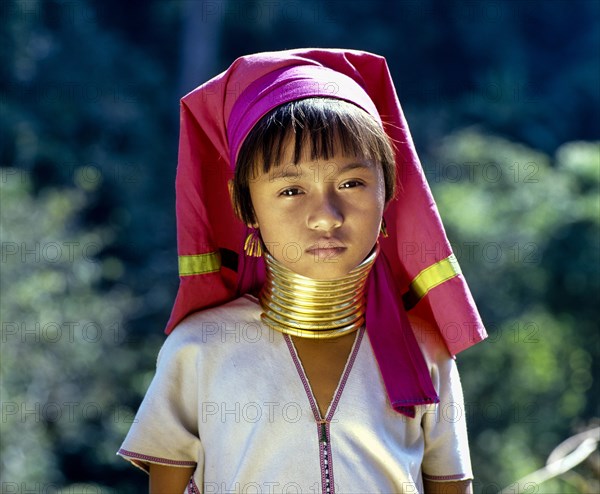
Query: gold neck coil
[299,306]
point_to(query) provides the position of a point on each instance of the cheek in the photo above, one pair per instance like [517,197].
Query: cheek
[372,212]
[269,220]
[268,216]
[381,192]
[374,205]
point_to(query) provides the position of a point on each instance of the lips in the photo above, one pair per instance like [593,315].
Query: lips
[326,249]
[326,244]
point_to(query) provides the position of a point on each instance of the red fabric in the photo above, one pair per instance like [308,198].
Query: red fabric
[206,222]
[288,84]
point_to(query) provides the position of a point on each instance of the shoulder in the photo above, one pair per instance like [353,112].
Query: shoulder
[442,366]
[210,327]
[429,339]
[241,310]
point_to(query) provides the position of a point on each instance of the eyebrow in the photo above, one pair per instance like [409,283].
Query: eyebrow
[284,171]
[289,170]
[357,165]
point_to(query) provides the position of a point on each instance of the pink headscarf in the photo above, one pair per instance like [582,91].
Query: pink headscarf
[415,270]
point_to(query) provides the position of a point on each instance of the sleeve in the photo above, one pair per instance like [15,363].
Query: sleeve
[446,456]
[165,429]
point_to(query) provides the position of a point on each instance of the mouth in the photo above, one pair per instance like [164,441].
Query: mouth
[326,250]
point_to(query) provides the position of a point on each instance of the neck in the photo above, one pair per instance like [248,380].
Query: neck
[299,306]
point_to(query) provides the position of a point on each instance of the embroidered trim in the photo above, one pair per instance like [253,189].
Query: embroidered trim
[325,454]
[346,374]
[199,264]
[303,378]
[156,459]
[429,278]
[329,487]
[193,487]
[442,478]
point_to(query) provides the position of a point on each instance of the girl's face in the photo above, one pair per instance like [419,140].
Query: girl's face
[320,218]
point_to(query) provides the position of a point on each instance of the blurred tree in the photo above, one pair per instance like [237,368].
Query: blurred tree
[69,368]
[527,234]
[82,106]
[201,28]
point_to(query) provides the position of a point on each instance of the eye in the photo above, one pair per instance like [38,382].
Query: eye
[290,192]
[350,184]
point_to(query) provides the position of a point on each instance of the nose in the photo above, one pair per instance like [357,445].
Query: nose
[325,214]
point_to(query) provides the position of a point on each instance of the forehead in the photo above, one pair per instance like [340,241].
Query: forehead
[294,151]
[312,147]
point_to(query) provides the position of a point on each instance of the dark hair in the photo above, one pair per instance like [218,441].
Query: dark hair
[320,125]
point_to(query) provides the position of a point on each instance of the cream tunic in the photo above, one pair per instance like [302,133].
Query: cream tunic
[230,395]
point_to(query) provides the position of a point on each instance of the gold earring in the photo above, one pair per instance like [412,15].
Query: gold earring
[253,245]
[383,229]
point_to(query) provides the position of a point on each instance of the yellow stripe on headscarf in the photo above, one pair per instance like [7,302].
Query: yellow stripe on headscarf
[199,264]
[429,278]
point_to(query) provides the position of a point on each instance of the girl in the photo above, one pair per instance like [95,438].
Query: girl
[313,338]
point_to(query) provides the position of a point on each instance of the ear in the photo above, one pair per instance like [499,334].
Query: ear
[233,206]
[230,187]
[389,201]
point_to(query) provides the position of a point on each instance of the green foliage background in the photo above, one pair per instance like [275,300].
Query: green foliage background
[503,100]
